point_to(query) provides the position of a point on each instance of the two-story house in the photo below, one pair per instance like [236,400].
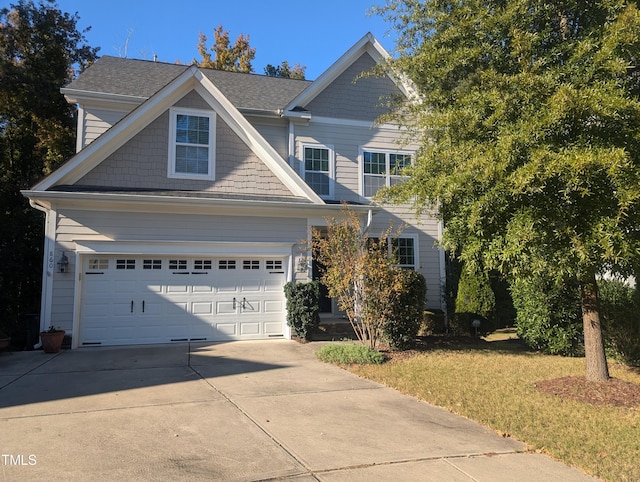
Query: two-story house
[187,205]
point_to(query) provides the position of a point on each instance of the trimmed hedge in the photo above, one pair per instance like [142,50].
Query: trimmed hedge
[403,318]
[303,307]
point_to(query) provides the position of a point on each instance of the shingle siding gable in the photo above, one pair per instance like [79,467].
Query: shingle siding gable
[143,161]
[351,97]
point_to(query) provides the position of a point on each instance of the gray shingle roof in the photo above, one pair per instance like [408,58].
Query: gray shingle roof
[143,78]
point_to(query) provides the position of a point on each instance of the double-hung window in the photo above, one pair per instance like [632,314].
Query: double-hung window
[405,250]
[318,169]
[191,144]
[382,169]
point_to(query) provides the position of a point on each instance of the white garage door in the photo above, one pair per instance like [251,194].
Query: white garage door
[134,299]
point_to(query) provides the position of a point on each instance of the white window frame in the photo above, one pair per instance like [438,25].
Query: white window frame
[387,172]
[416,251]
[173,115]
[331,172]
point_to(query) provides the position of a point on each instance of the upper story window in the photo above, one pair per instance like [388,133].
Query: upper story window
[382,169]
[191,144]
[318,169]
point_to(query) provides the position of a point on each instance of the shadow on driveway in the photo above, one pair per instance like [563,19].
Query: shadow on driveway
[28,378]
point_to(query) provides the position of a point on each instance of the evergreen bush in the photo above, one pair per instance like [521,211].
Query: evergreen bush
[303,307]
[549,315]
[474,300]
[403,318]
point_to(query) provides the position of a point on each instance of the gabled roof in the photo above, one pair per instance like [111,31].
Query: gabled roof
[138,80]
[190,78]
[367,44]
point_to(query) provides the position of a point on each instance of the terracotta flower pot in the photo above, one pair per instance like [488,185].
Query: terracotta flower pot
[51,341]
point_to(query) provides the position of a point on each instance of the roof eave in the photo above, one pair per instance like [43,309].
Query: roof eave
[184,204]
[81,96]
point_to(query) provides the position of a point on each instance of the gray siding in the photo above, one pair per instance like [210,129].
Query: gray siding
[426,229]
[350,97]
[97,121]
[142,163]
[346,141]
[274,131]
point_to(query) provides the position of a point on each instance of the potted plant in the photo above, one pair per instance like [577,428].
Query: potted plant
[52,339]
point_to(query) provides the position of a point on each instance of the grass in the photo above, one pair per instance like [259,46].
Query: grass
[344,354]
[494,383]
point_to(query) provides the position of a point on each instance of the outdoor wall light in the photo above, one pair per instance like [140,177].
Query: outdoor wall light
[303,264]
[63,264]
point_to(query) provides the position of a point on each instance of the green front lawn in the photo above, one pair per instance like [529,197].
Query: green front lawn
[494,383]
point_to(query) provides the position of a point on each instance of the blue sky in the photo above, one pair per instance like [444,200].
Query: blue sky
[314,33]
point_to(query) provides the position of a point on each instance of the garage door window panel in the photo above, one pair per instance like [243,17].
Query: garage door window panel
[126,264]
[151,264]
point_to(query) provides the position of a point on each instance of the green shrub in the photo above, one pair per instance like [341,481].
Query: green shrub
[474,300]
[620,307]
[303,308]
[432,323]
[549,316]
[346,354]
[402,319]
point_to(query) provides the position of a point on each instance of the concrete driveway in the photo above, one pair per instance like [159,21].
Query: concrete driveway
[234,411]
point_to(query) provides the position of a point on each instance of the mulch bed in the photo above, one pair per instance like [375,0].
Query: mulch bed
[615,392]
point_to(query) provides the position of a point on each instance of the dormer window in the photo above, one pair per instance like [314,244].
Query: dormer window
[192,144]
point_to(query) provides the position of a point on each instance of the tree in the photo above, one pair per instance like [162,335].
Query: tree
[358,272]
[284,70]
[40,47]
[234,58]
[529,116]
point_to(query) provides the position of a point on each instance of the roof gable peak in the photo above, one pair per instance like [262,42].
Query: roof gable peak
[367,44]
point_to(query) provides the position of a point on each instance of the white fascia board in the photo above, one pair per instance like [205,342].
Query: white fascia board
[145,203]
[83,96]
[254,140]
[119,134]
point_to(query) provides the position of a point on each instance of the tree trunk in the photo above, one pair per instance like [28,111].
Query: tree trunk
[595,358]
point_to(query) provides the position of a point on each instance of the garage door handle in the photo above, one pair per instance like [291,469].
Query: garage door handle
[234,303]
[131,306]
[143,306]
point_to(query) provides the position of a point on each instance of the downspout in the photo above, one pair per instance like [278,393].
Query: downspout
[46,285]
[291,146]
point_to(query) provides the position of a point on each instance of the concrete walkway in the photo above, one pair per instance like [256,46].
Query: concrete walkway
[234,411]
